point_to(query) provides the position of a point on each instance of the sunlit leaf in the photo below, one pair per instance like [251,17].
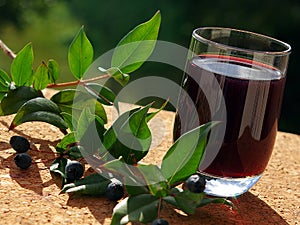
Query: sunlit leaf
[80,55]
[67,141]
[134,49]
[184,156]
[40,80]
[21,67]
[53,71]
[4,83]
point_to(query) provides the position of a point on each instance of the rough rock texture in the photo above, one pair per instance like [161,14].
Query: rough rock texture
[33,196]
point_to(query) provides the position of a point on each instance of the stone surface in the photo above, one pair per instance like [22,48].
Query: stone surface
[33,196]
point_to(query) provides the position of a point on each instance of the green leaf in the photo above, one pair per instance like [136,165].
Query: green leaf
[58,166]
[64,99]
[53,71]
[15,98]
[184,156]
[204,201]
[74,152]
[73,102]
[136,190]
[94,184]
[89,132]
[130,174]
[80,55]
[67,141]
[156,182]
[101,93]
[39,109]
[110,136]
[188,201]
[97,109]
[68,119]
[153,114]
[84,121]
[118,75]
[140,208]
[40,80]
[21,67]
[134,49]
[4,83]
[130,139]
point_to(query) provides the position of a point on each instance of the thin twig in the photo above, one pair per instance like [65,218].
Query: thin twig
[76,82]
[7,50]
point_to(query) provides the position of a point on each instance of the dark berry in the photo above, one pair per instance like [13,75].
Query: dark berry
[114,191]
[160,222]
[23,160]
[19,143]
[74,171]
[196,183]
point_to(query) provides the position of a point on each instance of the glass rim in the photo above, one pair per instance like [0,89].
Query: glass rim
[285,45]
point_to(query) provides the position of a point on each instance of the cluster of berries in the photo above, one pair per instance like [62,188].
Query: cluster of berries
[21,145]
[74,170]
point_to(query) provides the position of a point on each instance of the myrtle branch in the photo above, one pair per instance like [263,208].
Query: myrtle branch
[7,50]
[12,55]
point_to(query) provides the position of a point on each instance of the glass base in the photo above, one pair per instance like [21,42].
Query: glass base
[228,187]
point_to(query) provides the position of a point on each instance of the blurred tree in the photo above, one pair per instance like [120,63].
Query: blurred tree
[13,10]
[46,23]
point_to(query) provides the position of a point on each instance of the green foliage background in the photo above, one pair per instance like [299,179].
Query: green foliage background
[51,24]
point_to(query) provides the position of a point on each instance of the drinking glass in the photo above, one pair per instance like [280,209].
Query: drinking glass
[236,77]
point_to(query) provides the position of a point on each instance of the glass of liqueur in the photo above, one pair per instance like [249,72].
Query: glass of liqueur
[238,78]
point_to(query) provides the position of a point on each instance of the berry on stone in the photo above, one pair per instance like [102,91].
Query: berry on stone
[160,222]
[74,171]
[19,143]
[196,183]
[23,160]
[114,191]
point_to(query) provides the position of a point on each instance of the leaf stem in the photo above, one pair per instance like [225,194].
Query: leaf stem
[77,82]
[7,50]
[159,207]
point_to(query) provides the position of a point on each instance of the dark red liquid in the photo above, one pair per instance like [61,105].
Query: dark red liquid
[253,95]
